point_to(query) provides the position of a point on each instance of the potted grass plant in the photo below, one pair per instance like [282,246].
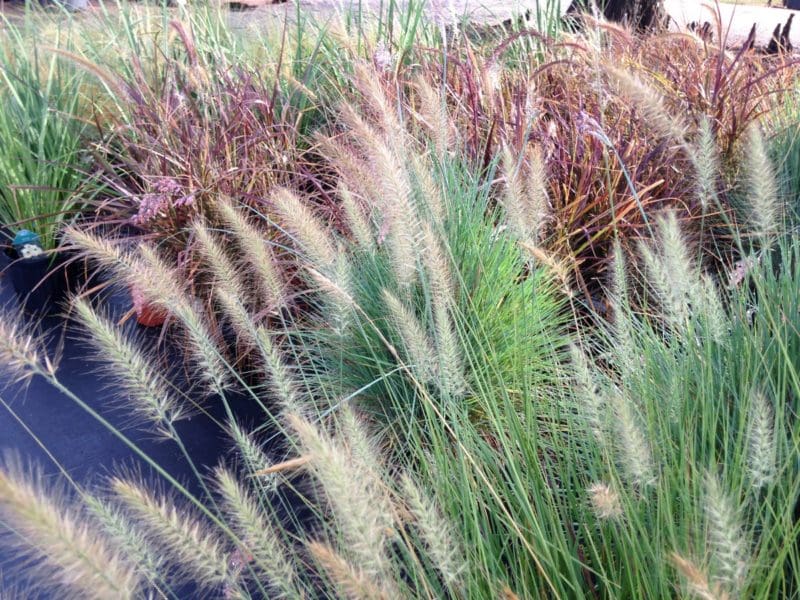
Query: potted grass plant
[180,158]
[41,142]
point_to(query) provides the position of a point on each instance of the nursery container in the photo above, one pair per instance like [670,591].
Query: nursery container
[40,282]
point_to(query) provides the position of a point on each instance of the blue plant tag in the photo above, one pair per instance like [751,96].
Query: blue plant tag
[24,238]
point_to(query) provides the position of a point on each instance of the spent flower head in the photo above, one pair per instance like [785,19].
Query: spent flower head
[605,501]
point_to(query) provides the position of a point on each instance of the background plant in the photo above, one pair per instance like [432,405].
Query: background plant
[613,117]
[191,136]
[785,148]
[43,134]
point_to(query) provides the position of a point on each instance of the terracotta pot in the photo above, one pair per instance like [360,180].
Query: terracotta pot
[147,314]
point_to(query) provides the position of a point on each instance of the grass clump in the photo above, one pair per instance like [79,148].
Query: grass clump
[615,119]
[432,275]
[44,136]
[452,420]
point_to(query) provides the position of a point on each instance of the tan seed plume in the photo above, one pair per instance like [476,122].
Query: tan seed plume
[762,201]
[21,353]
[257,252]
[350,581]
[417,344]
[360,505]
[697,580]
[197,548]
[75,557]
[305,228]
[650,103]
[445,550]
[605,501]
[152,399]
[259,536]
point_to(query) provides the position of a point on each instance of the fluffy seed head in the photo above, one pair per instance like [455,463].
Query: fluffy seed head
[197,549]
[359,226]
[705,158]
[237,314]
[355,171]
[100,250]
[340,303]
[590,398]
[605,501]
[74,557]
[619,277]
[258,254]
[634,452]
[525,198]
[306,229]
[21,354]
[417,345]
[713,312]
[762,190]
[257,533]
[210,365]
[394,200]
[124,535]
[443,297]
[726,542]
[401,216]
[359,502]
[219,263]
[225,276]
[626,354]
[672,273]
[280,378]
[337,298]
[160,284]
[379,104]
[445,551]
[432,195]
[351,582]
[697,580]
[433,116]
[134,371]
[253,455]
[761,460]
[650,103]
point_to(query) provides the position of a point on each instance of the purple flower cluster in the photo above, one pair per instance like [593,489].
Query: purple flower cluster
[167,194]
